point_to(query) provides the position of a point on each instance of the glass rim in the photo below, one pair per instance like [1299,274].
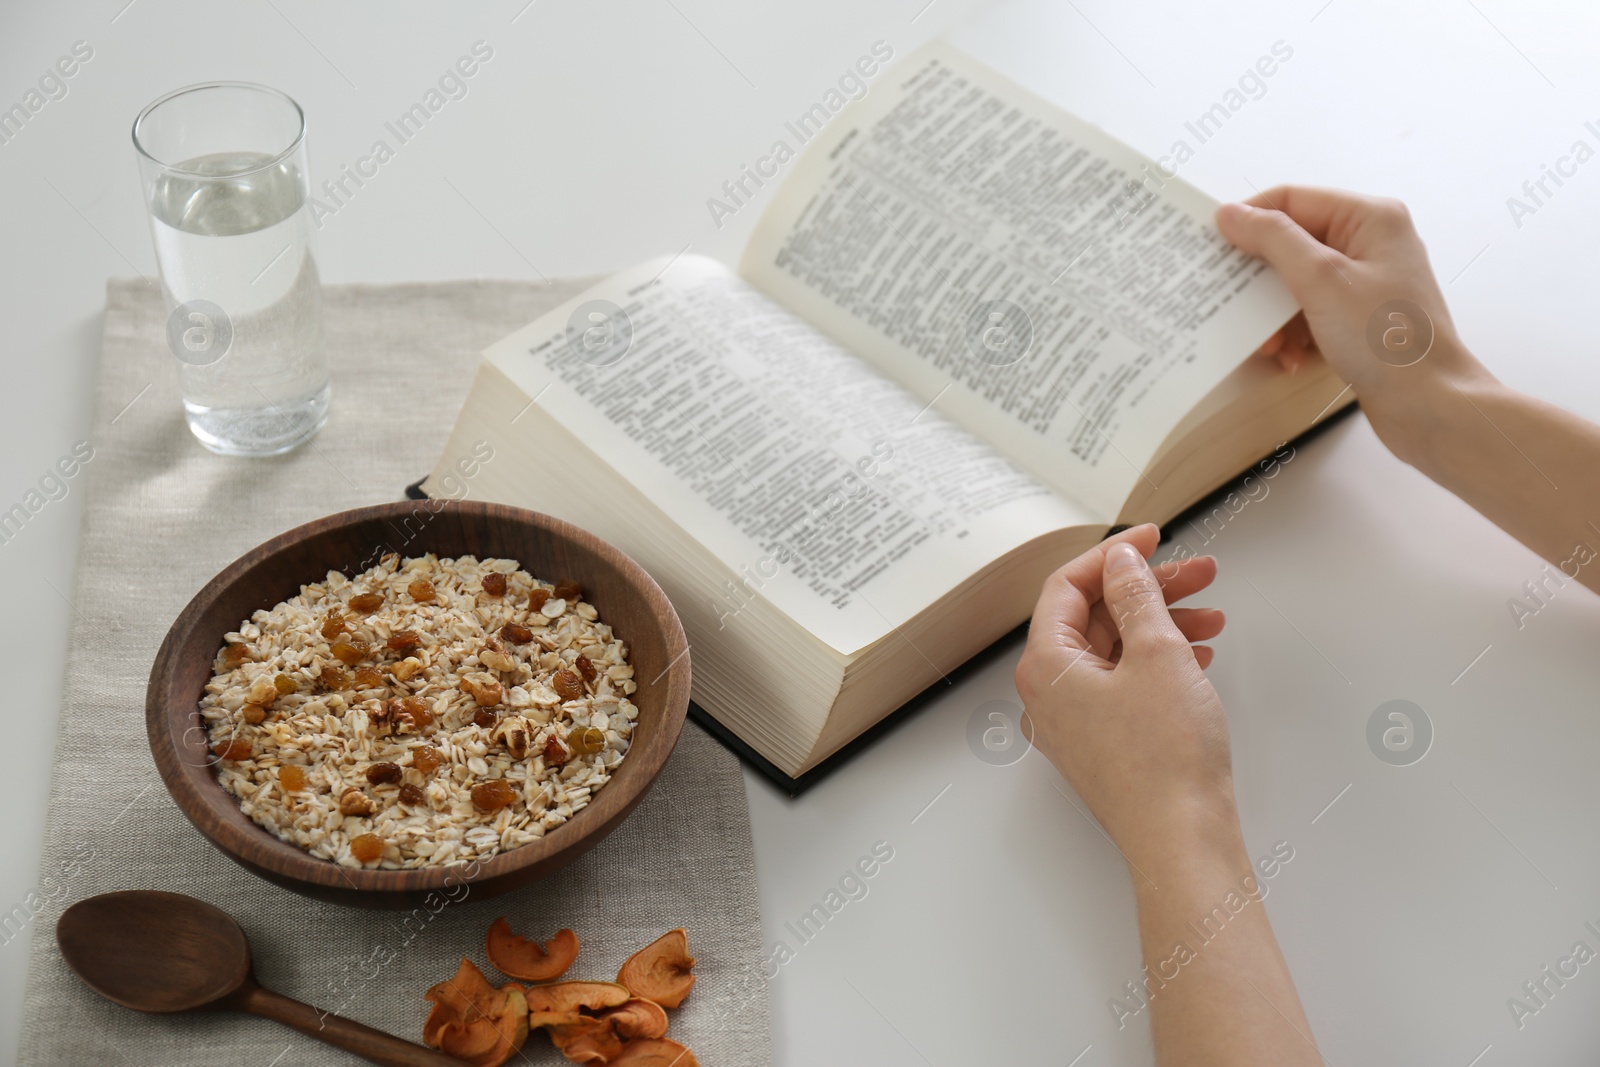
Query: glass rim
[175,168]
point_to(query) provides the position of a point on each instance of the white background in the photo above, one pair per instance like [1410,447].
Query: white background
[1415,905]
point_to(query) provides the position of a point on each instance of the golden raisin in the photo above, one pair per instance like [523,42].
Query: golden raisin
[347,652]
[384,773]
[492,796]
[537,598]
[254,714]
[494,583]
[368,678]
[567,589]
[588,741]
[586,668]
[426,759]
[554,751]
[333,625]
[333,679]
[366,848]
[421,591]
[366,603]
[568,686]
[233,749]
[486,717]
[411,796]
[516,633]
[416,711]
[404,640]
[234,655]
[292,777]
[284,684]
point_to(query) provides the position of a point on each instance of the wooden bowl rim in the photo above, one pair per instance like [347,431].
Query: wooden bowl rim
[195,789]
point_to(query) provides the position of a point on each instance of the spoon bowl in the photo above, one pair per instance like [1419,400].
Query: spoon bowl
[155,952]
[166,952]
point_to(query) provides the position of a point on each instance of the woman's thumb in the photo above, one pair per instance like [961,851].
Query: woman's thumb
[1134,598]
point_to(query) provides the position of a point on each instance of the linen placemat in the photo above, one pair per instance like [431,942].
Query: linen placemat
[162,516]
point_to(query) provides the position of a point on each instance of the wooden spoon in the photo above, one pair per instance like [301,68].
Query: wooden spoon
[166,952]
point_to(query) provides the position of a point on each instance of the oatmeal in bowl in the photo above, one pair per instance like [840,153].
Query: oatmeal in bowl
[426,712]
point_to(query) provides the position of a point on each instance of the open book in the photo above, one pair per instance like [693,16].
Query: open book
[970,335]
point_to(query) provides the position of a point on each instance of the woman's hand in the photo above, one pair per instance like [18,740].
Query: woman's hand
[1529,466]
[1120,705]
[1117,696]
[1348,259]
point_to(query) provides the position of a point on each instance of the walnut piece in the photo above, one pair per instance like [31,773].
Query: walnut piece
[485,690]
[354,802]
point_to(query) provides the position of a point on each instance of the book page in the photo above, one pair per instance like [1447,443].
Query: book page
[1047,287]
[821,485]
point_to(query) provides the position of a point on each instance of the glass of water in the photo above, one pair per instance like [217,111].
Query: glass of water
[224,172]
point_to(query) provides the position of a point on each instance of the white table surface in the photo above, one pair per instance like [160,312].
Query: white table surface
[1416,904]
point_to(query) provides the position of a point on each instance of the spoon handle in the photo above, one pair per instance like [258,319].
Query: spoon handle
[364,1041]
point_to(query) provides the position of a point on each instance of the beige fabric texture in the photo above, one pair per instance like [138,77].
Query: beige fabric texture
[162,516]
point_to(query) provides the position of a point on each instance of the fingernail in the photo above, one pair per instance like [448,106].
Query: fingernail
[1121,556]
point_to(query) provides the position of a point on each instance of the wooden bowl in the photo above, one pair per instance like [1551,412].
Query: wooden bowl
[627,598]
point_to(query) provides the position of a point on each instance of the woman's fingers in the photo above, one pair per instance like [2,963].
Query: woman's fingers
[1196,624]
[1061,617]
[1199,624]
[1318,211]
[1070,625]
[1181,578]
[1071,610]
[1299,347]
[1291,347]
[1271,345]
[1203,655]
[1068,594]
[1273,234]
[1102,633]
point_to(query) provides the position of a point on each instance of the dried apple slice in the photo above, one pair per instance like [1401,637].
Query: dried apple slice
[637,1018]
[654,1052]
[455,1000]
[556,1003]
[472,1041]
[474,1021]
[524,958]
[543,1020]
[491,1039]
[586,1040]
[661,971]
